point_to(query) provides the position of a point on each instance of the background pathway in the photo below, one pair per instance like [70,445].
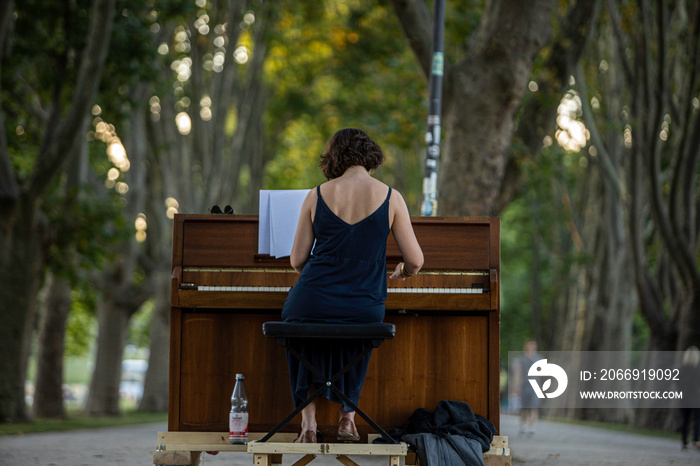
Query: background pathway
[553,443]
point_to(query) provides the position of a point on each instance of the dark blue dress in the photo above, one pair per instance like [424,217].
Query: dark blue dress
[344,281]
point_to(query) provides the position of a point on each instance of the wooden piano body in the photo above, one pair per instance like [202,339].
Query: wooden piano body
[447,326]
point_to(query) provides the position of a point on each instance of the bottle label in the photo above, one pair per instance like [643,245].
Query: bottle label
[238,428]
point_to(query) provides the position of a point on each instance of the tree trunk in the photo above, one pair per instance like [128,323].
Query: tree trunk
[21,274]
[48,401]
[48,397]
[22,252]
[482,94]
[103,396]
[539,111]
[155,390]
[121,294]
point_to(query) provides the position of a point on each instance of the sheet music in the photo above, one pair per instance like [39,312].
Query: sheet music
[279,215]
[264,223]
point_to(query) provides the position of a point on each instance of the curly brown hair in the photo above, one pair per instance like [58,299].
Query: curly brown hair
[349,147]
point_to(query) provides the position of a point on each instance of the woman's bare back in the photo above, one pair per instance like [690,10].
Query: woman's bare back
[354,196]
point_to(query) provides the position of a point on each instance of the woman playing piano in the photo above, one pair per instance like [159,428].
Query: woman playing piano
[343,280]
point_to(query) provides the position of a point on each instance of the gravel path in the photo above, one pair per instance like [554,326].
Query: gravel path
[553,444]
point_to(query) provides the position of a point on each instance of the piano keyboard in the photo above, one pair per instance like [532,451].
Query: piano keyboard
[285,289]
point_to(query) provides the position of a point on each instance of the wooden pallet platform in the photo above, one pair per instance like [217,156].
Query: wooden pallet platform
[270,453]
[499,454]
[185,449]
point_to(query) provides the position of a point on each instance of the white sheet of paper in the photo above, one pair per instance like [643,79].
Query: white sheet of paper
[285,207]
[279,215]
[264,223]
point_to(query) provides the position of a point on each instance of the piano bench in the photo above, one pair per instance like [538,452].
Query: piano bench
[285,332]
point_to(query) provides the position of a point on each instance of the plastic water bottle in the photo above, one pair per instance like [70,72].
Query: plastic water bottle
[238,417]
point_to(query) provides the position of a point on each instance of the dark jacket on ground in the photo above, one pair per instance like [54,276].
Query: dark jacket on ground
[452,435]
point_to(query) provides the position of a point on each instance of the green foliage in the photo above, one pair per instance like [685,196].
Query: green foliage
[140,325]
[298,168]
[80,328]
[45,48]
[343,65]
[87,233]
[538,237]
[461,20]
[84,229]
[640,333]
[37,72]
[133,56]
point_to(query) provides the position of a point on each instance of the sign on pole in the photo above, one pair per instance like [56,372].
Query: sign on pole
[432,136]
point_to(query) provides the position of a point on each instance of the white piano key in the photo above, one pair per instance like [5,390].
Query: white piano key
[397,290]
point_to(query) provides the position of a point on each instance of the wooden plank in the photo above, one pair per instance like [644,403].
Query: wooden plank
[172,458]
[204,447]
[494,460]
[494,411]
[216,438]
[495,244]
[175,280]
[468,243]
[495,289]
[304,460]
[287,448]
[499,454]
[366,449]
[327,448]
[220,240]
[494,369]
[464,303]
[178,239]
[499,441]
[346,461]
[174,392]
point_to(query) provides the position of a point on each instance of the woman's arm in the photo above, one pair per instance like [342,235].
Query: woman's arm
[304,237]
[406,239]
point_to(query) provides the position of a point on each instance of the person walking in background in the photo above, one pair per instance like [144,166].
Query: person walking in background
[529,402]
[690,386]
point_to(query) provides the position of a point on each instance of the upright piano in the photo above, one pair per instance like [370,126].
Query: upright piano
[447,326]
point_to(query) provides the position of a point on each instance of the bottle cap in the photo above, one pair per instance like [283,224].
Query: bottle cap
[239,376]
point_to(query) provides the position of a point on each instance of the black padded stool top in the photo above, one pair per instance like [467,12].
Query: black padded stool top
[335,331]
[285,332]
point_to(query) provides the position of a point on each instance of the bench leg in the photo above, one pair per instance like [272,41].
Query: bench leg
[394,461]
[306,459]
[346,461]
[176,458]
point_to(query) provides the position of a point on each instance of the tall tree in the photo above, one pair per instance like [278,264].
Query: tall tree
[644,122]
[489,81]
[203,135]
[53,317]
[131,277]
[59,97]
